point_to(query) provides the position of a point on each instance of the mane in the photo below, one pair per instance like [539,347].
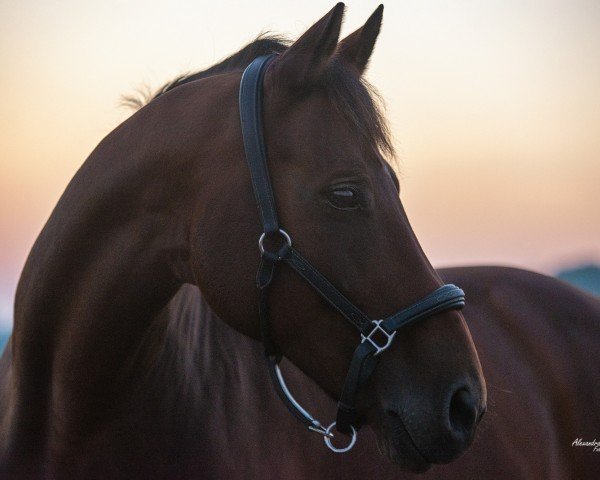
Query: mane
[262,45]
[354,97]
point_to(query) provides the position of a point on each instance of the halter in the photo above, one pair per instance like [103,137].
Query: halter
[376,336]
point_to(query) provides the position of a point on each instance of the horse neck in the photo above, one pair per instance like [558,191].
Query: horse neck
[112,254]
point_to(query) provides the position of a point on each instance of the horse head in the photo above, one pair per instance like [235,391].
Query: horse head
[338,197]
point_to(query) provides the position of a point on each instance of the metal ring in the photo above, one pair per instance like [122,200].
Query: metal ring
[327,440]
[282,232]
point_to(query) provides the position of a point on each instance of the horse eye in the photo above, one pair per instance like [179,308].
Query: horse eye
[344,198]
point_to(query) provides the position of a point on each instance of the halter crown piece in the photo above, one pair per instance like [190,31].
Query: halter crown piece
[447,297]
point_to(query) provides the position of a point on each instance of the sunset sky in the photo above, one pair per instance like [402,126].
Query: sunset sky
[494,106]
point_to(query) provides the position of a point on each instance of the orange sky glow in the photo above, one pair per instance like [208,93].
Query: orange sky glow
[494,106]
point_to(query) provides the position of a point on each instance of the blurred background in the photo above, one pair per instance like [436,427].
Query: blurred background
[494,106]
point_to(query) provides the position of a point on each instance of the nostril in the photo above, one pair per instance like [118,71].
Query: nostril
[463,413]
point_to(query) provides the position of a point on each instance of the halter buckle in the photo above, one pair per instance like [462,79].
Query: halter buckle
[378,329]
[320,429]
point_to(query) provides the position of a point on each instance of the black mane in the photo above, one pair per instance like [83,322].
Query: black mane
[263,45]
[355,98]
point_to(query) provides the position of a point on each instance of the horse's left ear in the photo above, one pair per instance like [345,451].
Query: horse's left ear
[307,58]
[357,47]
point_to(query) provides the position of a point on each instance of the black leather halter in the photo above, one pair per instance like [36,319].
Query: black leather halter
[376,335]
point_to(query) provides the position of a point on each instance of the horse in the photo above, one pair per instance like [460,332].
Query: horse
[136,350]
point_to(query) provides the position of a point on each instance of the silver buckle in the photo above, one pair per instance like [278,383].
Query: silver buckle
[378,328]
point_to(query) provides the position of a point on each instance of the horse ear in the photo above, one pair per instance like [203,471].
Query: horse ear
[306,59]
[357,47]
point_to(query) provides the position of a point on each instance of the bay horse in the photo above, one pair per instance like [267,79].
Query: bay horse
[118,367]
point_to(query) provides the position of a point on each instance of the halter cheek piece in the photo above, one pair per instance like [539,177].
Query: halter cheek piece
[376,335]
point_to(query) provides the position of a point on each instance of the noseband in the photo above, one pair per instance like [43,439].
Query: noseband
[376,335]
